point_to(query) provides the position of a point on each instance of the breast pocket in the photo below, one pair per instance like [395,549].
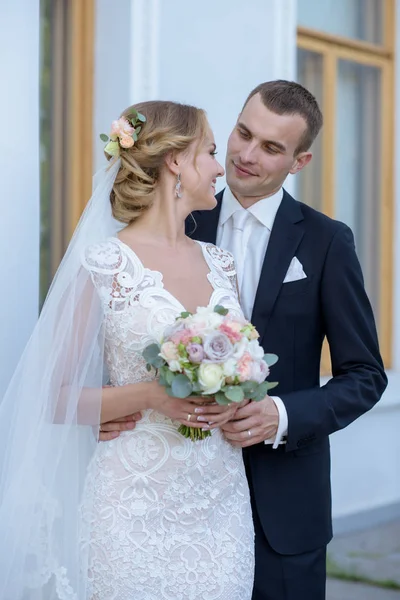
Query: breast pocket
[302,286]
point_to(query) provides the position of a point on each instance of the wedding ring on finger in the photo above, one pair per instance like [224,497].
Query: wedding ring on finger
[189,417]
[249,432]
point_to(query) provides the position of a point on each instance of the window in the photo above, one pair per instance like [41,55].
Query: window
[66,112]
[347,62]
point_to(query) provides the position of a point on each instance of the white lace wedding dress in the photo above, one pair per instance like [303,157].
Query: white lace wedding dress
[171,518]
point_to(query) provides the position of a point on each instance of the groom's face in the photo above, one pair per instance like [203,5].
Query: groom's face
[262,151]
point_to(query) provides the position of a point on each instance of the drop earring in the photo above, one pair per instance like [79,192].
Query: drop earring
[178,187]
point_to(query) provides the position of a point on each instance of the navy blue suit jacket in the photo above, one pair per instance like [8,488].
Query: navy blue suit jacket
[290,487]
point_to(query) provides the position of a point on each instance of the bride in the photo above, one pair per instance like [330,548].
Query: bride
[149,515]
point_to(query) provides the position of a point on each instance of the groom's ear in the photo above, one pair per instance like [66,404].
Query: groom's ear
[301,161]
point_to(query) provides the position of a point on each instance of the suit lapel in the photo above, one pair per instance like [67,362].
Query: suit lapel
[285,238]
[204,223]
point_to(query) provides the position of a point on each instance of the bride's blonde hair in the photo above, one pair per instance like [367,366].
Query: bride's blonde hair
[169,126]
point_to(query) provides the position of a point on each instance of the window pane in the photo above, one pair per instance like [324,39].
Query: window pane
[357,19]
[357,177]
[309,180]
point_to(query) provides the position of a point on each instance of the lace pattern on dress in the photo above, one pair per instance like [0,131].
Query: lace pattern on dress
[171,519]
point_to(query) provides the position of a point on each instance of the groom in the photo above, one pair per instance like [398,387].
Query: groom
[299,280]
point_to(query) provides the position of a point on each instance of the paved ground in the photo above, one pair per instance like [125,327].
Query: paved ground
[341,590]
[373,554]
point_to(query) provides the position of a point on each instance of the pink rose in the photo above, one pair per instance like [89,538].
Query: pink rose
[182,337]
[126,141]
[169,352]
[232,330]
[244,367]
[122,128]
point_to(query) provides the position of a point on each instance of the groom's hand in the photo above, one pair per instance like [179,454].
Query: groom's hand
[253,424]
[111,430]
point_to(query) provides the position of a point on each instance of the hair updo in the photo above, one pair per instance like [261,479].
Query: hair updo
[169,127]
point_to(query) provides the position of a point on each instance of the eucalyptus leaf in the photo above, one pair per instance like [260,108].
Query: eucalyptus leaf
[148,367]
[221,310]
[270,359]
[158,362]
[272,384]
[135,137]
[260,393]
[169,377]
[181,386]
[169,392]
[141,117]
[221,399]
[104,137]
[234,393]
[249,387]
[257,397]
[185,314]
[196,386]
[138,129]
[151,353]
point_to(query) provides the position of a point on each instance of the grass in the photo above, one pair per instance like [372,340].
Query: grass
[336,572]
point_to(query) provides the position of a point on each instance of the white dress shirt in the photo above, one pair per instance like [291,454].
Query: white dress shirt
[249,251]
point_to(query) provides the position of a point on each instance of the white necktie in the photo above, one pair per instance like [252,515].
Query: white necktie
[236,246]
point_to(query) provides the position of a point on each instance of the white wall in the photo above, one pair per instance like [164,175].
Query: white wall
[112,68]
[233,47]
[211,54]
[19,176]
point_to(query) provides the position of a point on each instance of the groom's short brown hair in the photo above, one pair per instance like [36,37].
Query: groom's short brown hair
[288,97]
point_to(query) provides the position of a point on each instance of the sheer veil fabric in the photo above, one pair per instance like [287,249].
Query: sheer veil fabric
[49,423]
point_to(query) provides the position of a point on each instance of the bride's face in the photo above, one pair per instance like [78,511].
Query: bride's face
[199,174]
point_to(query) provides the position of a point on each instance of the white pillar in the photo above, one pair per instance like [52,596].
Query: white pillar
[19,176]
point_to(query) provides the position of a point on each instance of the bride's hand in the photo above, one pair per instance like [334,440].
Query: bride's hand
[213,416]
[177,409]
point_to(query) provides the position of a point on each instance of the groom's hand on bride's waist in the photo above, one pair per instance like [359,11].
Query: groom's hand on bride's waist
[253,423]
[110,431]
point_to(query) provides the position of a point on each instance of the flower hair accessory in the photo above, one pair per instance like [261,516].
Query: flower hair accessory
[124,133]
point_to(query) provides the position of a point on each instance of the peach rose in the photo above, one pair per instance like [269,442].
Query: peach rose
[126,141]
[244,367]
[169,352]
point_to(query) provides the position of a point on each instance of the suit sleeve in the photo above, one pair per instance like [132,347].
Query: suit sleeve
[359,378]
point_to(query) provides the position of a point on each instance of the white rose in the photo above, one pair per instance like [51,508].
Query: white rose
[211,378]
[229,367]
[174,365]
[206,318]
[256,352]
[259,371]
[240,348]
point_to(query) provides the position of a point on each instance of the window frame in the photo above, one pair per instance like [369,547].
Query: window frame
[333,48]
[69,184]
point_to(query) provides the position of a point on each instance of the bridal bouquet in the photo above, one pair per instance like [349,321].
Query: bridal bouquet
[211,353]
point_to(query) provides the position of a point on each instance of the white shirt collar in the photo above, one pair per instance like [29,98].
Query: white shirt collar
[263,210]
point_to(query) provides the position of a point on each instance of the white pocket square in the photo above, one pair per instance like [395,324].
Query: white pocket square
[295,271]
